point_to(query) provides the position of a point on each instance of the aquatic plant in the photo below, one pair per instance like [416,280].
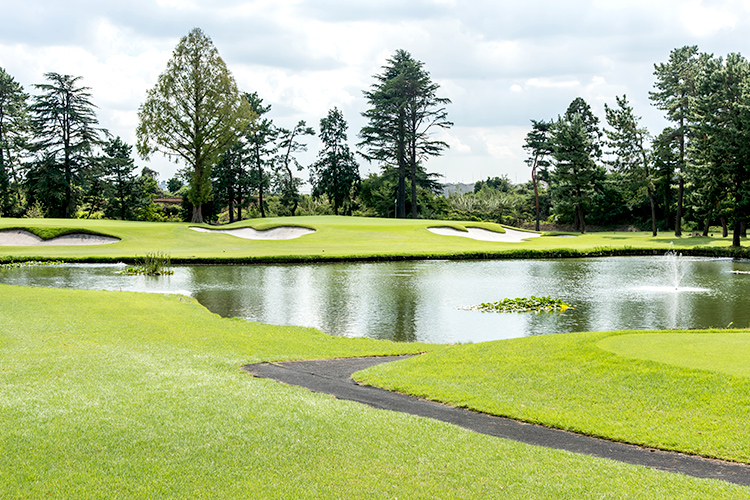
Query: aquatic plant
[153,264]
[13,265]
[522,304]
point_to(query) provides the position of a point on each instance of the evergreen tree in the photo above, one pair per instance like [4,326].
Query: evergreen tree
[404,111]
[722,131]
[540,149]
[675,92]
[230,179]
[118,166]
[336,172]
[14,129]
[575,175]
[64,120]
[261,138]
[631,153]
[289,146]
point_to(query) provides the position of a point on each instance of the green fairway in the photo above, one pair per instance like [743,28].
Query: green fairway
[123,395]
[335,237]
[681,391]
[729,353]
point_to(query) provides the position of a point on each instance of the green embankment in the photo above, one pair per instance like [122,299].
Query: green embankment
[123,395]
[683,391]
[335,238]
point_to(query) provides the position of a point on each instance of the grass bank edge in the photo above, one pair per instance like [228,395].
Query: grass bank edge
[341,238]
[196,411]
[585,389]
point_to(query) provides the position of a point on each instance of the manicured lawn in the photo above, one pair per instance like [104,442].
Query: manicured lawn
[122,395]
[335,237]
[685,391]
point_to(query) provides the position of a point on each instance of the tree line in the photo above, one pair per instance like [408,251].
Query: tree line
[694,171]
[56,161]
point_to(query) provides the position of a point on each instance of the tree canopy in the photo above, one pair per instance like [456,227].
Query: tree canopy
[336,172]
[193,114]
[404,113]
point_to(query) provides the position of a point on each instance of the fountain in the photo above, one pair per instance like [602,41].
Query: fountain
[674,265]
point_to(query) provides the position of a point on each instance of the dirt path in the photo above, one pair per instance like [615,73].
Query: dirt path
[333,376]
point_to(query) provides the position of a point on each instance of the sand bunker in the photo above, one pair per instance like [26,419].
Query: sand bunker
[22,238]
[475,233]
[277,233]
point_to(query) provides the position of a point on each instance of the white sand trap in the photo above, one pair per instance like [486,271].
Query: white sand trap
[277,233]
[476,233]
[21,238]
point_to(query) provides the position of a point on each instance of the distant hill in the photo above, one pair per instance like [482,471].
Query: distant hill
[460,188]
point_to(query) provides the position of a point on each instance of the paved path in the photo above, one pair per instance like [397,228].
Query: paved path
[333,376]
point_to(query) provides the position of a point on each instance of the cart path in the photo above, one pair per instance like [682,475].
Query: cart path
[333,376]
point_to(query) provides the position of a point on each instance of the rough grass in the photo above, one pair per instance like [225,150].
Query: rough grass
[337,237]
[122,395]
[670,399]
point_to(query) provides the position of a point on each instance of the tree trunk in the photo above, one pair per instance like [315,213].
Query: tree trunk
[680,181]
[401,196]
[536,193]
[231,207]
[413,161]
[239,204]
[581,218]
[260,189]
[413,192]
[743,231]
[736,232]
[653,212]
[707,226]
[724,229]
[197,215]
[678,217]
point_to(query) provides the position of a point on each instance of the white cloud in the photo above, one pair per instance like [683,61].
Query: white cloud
[702,20]
[547,83]
[500,63]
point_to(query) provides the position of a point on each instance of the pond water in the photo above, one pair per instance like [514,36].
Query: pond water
[420,300]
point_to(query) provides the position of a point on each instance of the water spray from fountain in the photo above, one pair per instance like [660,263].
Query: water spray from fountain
[674,265]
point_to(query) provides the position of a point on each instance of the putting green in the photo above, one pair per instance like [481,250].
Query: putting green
[724,352]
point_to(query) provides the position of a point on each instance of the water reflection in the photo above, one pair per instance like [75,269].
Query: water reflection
[418,301]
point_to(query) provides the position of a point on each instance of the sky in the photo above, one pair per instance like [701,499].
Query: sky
[500,63]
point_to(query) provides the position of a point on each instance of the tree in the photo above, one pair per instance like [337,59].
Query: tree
[721,131]
[666,156]
[579,107]
[13,131]
[261,139]
[193,113]
[118,166]
[404,109]
[540,148]
[230,179]
[63,119]
[174,184]
[675,92]
[336,172]
[575,175]
[631,155]
[289,145]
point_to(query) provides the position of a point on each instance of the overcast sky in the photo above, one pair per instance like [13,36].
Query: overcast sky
[501,63]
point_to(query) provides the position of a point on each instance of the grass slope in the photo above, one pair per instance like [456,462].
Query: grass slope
[121,395]
[571,382]
[335,237]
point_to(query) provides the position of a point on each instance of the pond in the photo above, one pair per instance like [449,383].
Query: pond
[420,300]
